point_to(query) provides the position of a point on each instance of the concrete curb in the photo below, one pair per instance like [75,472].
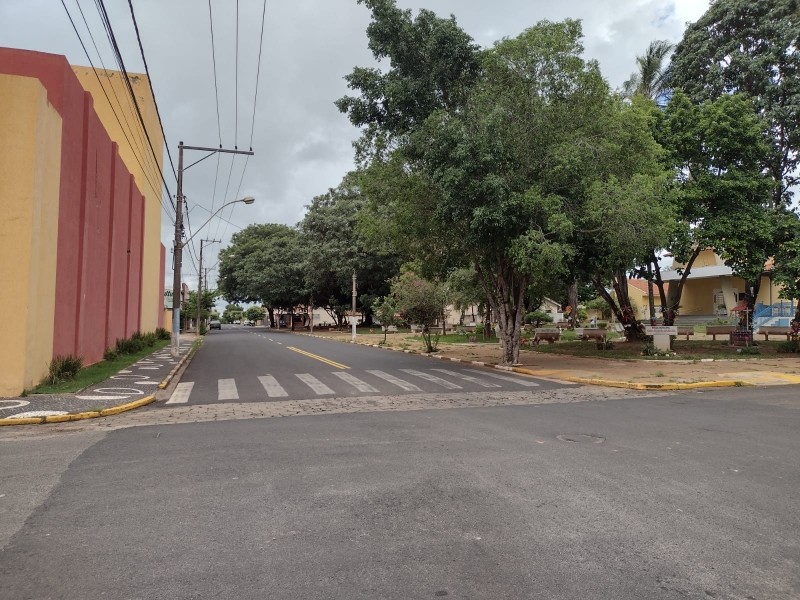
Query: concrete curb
[114,410]
[564,376]
[165,383]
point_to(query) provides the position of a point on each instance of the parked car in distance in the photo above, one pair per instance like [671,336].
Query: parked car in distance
[215,325]
[237,322]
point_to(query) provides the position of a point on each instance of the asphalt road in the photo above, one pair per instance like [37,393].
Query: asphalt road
[691,495]
[254,364]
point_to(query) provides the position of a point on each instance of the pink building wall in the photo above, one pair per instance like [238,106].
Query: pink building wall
[100,219]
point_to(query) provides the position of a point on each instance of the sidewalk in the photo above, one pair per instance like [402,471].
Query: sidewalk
[130,388]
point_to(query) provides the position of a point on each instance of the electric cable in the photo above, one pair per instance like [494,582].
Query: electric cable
[116,116]
[152,91]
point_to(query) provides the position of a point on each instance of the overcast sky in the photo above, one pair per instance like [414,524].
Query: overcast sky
[302,144]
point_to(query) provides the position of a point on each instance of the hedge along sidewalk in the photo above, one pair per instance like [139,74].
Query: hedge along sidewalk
[127,389]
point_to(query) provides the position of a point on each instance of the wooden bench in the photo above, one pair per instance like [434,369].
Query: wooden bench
[687,331]
[588,333]
[550,335]
[715,330]
[767,330]
[391,329]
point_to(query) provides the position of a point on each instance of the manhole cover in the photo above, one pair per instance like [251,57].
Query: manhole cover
[581,438]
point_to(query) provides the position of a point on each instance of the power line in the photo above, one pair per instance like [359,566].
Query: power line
[121,62]
[258,73]
[152,91]
[111,105]
[236,102]
[214,61]
[140,159]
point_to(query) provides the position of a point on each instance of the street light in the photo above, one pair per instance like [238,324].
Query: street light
[178,259]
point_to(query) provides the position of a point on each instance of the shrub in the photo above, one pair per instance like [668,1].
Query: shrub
[537,317]
[63,367]
[792,346]
[150,339]
[110,354]
[749,350]
[163,334]
[131,345]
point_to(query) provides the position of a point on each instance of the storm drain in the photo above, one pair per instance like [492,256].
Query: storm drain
[581,438]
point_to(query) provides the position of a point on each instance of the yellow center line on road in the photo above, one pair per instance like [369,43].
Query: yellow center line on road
[319,358]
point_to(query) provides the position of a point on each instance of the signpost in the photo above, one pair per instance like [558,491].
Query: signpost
[661,335]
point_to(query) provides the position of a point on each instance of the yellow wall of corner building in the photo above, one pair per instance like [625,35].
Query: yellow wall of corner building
[138,157]
[30,170]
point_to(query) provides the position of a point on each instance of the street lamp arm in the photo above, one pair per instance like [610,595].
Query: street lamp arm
[247,200]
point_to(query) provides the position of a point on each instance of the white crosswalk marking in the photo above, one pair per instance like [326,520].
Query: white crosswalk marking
[433,379]
[520,380]
[475,380]
[272,387]
[181,393]
[315,384]
[226,389]
[361,386]
[402,384]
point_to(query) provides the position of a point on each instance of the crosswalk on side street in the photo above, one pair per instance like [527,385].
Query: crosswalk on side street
[346,383]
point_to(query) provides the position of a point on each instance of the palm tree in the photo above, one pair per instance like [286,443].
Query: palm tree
[652,78]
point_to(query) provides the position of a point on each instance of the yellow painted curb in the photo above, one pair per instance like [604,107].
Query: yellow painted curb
[72,417]
[24,421]
[115,410]
[630,385]
[92,414]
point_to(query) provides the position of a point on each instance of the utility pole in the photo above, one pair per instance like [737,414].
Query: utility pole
[178,249]
[177,259]
[650,293]
[354,306]
[200,281]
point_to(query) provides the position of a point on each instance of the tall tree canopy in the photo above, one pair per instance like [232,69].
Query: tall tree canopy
[335,249]
[751,47]
[433,64]
[651,80]
[264,263]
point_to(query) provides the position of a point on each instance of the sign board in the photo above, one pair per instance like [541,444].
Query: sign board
[168,299]
[661,329]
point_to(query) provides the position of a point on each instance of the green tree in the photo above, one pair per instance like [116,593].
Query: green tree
[255,313]
[206,304]
[750,47]
[265,263]
[232,312]
[385,309]
[787,266]
[464,290]
[717,148]
[335,249]
[651,80]
[420,302]
[433,66]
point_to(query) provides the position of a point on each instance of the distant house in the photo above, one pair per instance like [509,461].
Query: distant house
[713,291]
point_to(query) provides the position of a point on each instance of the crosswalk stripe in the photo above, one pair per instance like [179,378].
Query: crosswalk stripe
[181,393]
[272,387]
[315,384]
[361,386]
[518,380]
[481,383]
[433,379]
[226,389]
[402,384]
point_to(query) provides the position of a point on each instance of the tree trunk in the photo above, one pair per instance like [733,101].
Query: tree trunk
[271,312]
[675,291]
[507,299]
[746,316]
[572,298]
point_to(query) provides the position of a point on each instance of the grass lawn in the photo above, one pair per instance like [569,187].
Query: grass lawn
[97,372]
[691,350]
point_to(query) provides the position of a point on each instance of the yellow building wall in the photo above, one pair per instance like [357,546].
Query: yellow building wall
[698,294]
[30,167]
[137,156]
